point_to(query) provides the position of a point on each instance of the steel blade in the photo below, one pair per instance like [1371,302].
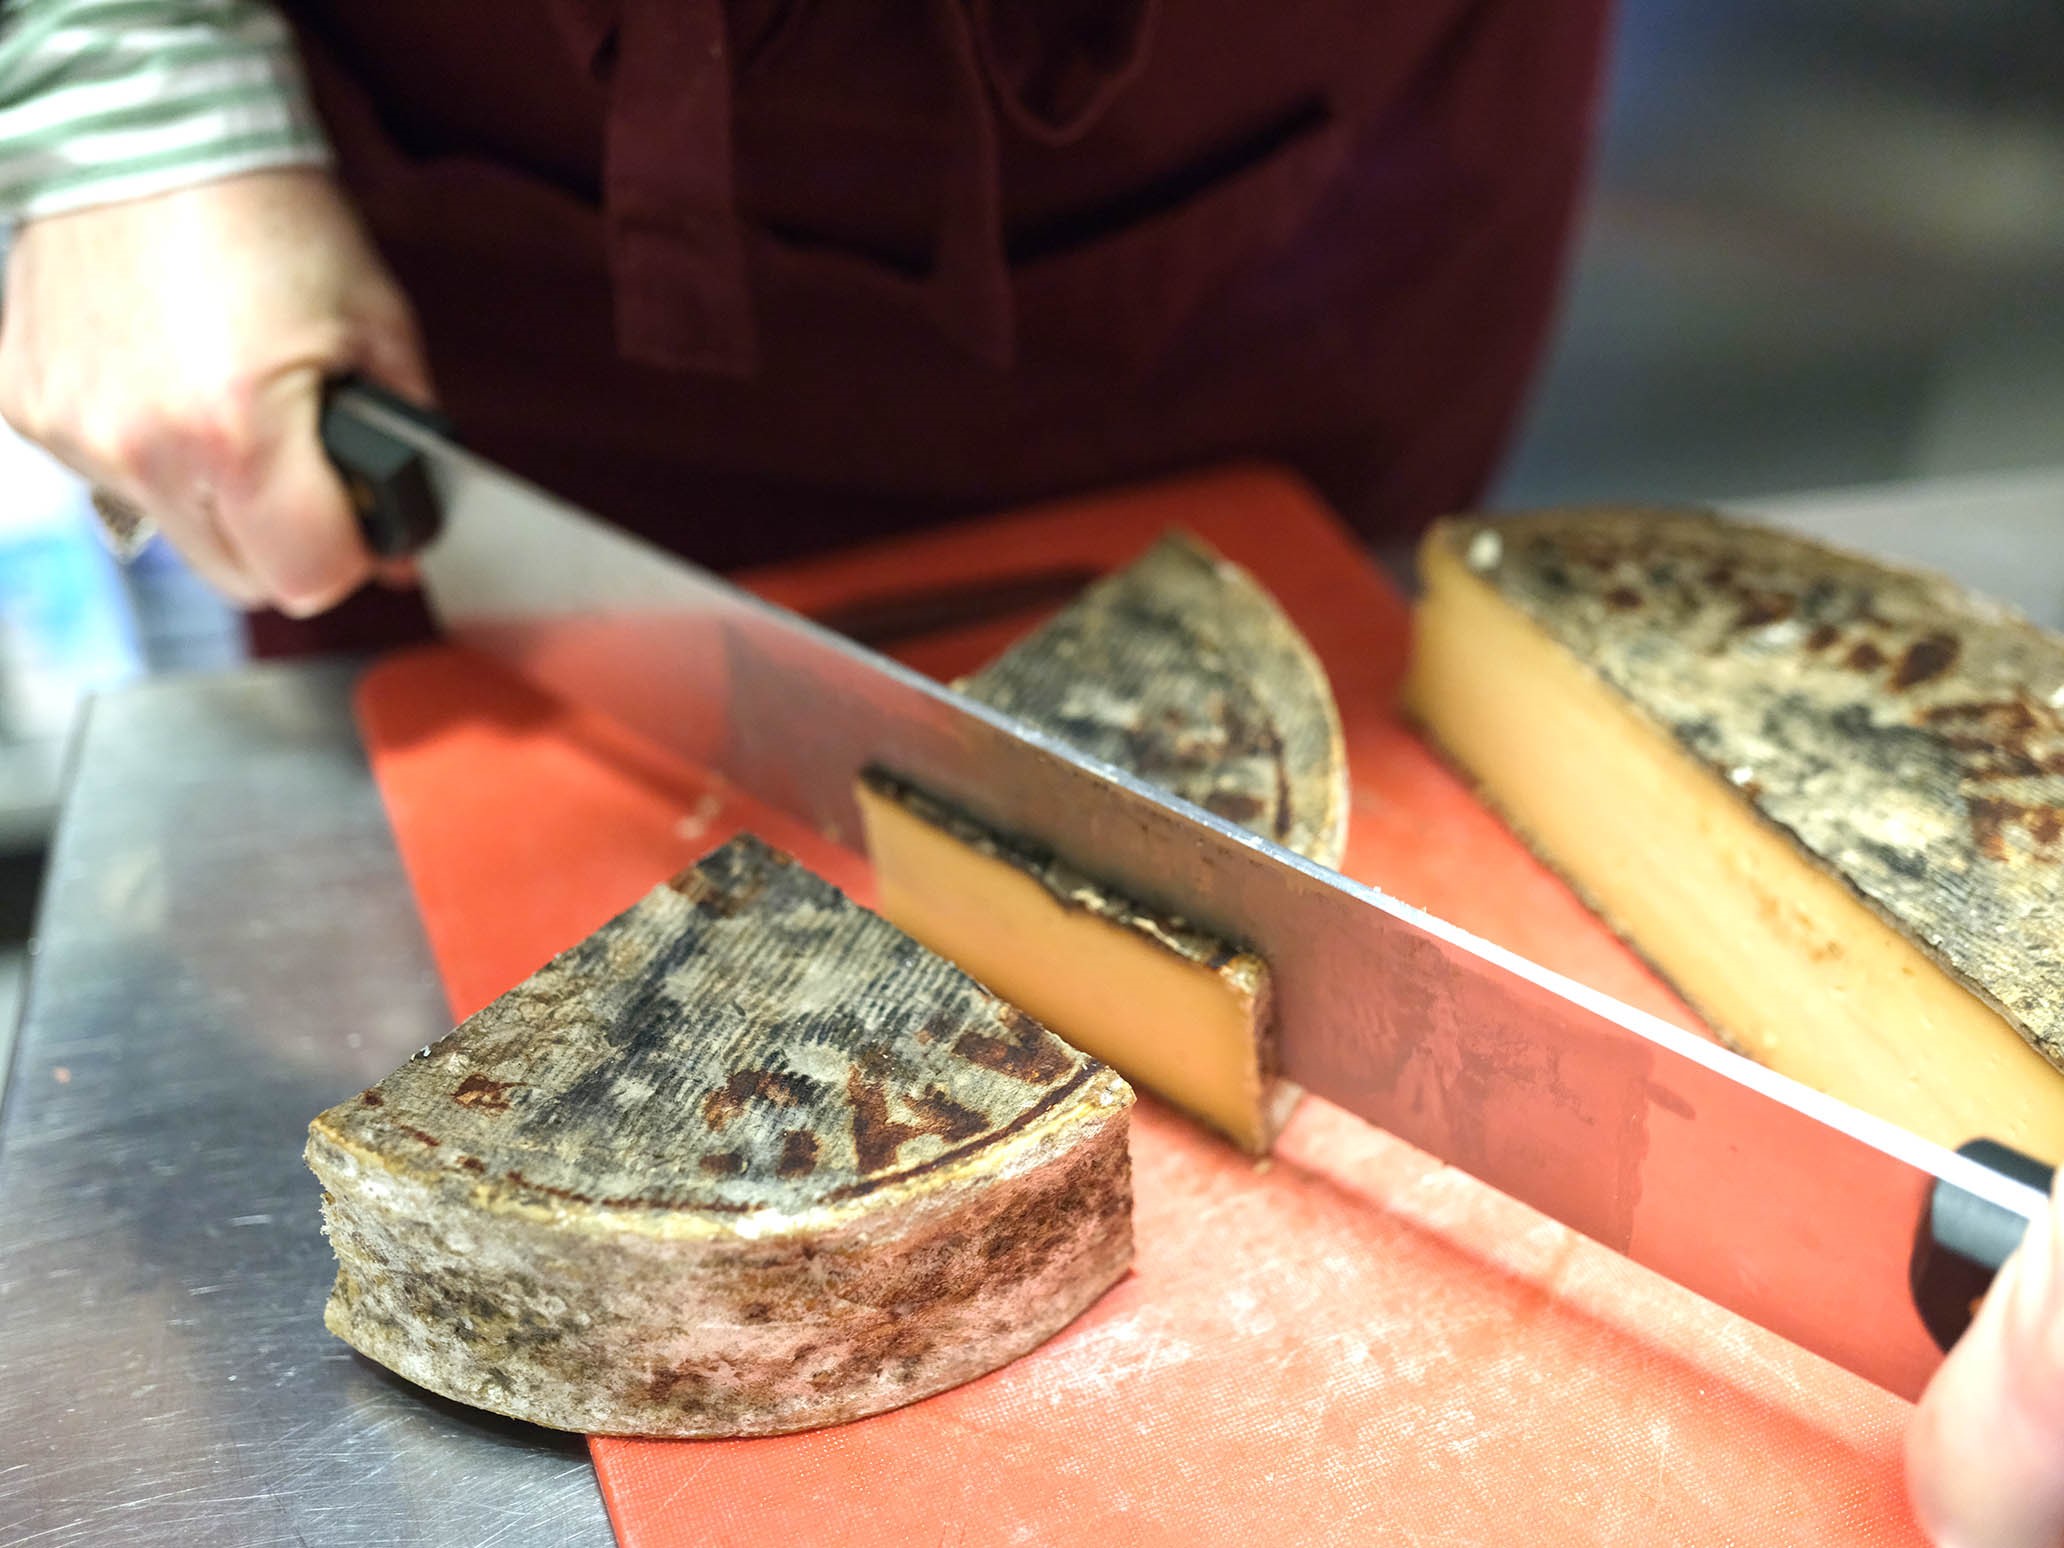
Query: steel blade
[1772,1200]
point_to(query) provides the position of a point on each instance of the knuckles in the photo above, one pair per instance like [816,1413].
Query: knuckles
[230,450]
[141,441]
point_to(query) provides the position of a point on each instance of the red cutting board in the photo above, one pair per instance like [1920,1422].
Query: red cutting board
[1349,1343]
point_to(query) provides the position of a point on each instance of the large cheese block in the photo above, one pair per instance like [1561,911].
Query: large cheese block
[1181,669]
[746,1160]
[1825,796]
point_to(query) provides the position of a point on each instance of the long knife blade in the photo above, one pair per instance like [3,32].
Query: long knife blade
[1772,1200]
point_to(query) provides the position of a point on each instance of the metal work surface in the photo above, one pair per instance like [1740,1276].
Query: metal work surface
[227,946]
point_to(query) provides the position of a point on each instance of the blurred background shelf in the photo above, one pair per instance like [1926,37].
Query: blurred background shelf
[1825,246]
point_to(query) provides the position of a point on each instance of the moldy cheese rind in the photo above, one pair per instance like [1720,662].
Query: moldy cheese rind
[1901,738]
[746,1160]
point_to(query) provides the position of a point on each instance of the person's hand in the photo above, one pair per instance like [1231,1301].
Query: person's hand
[1985,1452]
[172,349]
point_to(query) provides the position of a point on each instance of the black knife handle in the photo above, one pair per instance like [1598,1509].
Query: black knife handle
[1964,1240]
[387,478]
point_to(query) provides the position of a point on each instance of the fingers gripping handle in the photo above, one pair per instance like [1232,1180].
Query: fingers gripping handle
[1964,1240]
[386,479]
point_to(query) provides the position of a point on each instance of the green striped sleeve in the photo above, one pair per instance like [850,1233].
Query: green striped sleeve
[105,100]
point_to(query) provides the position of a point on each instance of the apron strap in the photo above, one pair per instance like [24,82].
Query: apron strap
[1056,66]
[678,247]
[968,293]
[676,252]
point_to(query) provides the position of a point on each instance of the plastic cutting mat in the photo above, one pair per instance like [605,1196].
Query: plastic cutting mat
[1348,1343]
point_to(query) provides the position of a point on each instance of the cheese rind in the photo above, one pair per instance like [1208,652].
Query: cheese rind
[1822,795]
[746,1160]
[1181,669]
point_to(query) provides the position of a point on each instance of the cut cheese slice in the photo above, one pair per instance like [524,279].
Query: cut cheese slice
[1182,670]
[747,1160]
[1825,797]
[1178,1011]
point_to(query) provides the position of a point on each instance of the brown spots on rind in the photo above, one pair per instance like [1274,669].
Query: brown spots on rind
[1235,805]
[2001,738]
[1762,608]
[724,1163]
[478,1091]
[1823,637]
[877,1138]
[1053,1098]
[372,1099]
[420,1136]
[688,1378]
[1925,659]
[1623,599]
[1285,804]
[727,1102]
[472,1164]
[2002,743]
[1025,1051]
[950,1120]
[709,893]
[1989,820]
[798,1154]
[1994,821]
[1864,657]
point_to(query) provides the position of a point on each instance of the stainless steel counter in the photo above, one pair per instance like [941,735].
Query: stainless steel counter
[227,945]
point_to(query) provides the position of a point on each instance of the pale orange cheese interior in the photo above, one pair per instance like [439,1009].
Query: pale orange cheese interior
[1192,1032]
[1779,955]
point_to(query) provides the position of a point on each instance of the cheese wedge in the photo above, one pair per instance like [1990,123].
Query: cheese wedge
[746,1160]
[1184,671]
[1823,796]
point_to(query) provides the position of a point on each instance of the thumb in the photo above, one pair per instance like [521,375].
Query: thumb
[1985,1452]
[283,509]
[390,350]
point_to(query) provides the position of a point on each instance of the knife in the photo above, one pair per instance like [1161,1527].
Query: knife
[1839,1231]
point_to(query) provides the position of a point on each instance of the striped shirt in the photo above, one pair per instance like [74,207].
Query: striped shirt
[107,100]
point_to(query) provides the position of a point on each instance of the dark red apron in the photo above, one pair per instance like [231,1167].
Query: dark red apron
[756,278]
